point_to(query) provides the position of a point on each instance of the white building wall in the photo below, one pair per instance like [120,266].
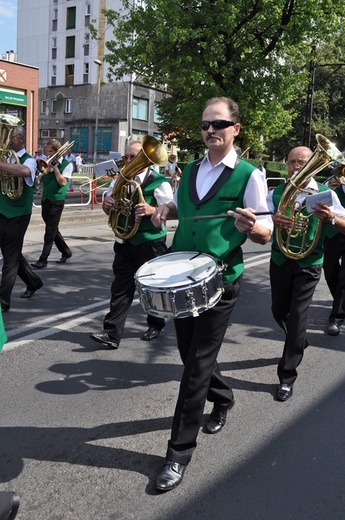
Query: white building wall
[36,34]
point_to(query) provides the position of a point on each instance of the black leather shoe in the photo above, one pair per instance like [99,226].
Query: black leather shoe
[103,337]
[170,476]
[63,259]
[284,392]
[217,418]
[39,264]
[333,329]
[151,333]
[30,292]
[9,505]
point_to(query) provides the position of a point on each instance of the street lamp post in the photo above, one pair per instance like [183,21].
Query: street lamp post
[99,64]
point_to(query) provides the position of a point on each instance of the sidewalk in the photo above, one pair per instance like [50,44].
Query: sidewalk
[80,215]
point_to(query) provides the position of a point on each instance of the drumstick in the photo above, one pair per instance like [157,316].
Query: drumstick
[206,217]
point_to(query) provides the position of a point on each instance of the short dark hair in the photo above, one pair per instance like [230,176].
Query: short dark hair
[231,104]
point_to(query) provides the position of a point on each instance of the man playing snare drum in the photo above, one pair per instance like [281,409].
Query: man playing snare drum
[220,183]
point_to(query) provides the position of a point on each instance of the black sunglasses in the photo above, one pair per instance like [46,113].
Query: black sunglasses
[218,124]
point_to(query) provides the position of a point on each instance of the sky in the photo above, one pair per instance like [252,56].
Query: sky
[8,25]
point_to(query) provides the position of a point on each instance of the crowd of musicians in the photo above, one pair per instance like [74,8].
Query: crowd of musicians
[221,184]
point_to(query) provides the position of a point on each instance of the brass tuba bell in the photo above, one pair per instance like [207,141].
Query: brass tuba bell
[120,217]
[11,185]
[324,154]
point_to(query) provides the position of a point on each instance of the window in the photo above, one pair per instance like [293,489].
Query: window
[53,106]
[44,107]
[88,9]
[68,106]
[70,46]
[70,17]
[54,49]
[86,73]
[140,109]
[69,75]
[53,78]
[137,134]
[103,139]
[55,19]
[87,20]
[45,134]
[156,118]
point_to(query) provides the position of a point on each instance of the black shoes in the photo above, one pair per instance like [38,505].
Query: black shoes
[9,505]
[63,259]
[333,329]
[103,337]
[39,264]
[284,392]
[171,476]
[30,292]
[217,418]
[151,333]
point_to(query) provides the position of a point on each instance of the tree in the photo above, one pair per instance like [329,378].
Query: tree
[255,51]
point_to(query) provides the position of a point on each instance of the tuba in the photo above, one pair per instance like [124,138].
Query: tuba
[11,185]
[120,215]
[45,166]
[324,154]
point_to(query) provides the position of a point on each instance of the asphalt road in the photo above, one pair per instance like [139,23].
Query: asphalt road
[83,430]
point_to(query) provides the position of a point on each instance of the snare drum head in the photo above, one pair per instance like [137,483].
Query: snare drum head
[176,270]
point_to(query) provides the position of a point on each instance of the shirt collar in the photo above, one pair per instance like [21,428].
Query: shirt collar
[229,160]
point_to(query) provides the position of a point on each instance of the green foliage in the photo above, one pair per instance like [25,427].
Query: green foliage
[255,51]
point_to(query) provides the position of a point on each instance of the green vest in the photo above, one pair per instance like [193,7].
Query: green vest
[330,230]
[22,206]
[216,237]
[316,256]
[51,188]
[147,231]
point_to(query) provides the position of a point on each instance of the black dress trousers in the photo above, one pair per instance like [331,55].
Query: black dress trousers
[199,340]
[292,289]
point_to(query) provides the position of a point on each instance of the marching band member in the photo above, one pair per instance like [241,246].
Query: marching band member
[219,183]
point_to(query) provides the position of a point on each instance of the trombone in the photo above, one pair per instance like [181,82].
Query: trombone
[45,166]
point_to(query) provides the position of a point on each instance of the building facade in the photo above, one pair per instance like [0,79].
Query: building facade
[76,100]
[19,97]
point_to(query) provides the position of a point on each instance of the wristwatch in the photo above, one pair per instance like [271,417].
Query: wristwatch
[333,221]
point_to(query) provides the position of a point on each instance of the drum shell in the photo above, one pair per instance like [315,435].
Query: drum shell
[191,299]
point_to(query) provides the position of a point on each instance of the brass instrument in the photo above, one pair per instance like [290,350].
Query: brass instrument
[152,152]
[45,166]
[324,154]
[11,185]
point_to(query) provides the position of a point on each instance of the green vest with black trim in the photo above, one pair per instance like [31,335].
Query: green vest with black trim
[51,188]
[147,231]
[316,256]
[216,237]
[330,230]
[22,206]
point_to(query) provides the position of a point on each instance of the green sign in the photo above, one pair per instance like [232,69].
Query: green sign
[11,98]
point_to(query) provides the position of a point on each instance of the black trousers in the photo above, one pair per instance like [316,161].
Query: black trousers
[128,259]
[12,232]
[199,340]
[51,214]
[292,289]
[334,269]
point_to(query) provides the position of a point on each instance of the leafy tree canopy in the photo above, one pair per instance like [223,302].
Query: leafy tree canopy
[255,51]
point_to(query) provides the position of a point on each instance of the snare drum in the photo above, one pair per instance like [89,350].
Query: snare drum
[179,284]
